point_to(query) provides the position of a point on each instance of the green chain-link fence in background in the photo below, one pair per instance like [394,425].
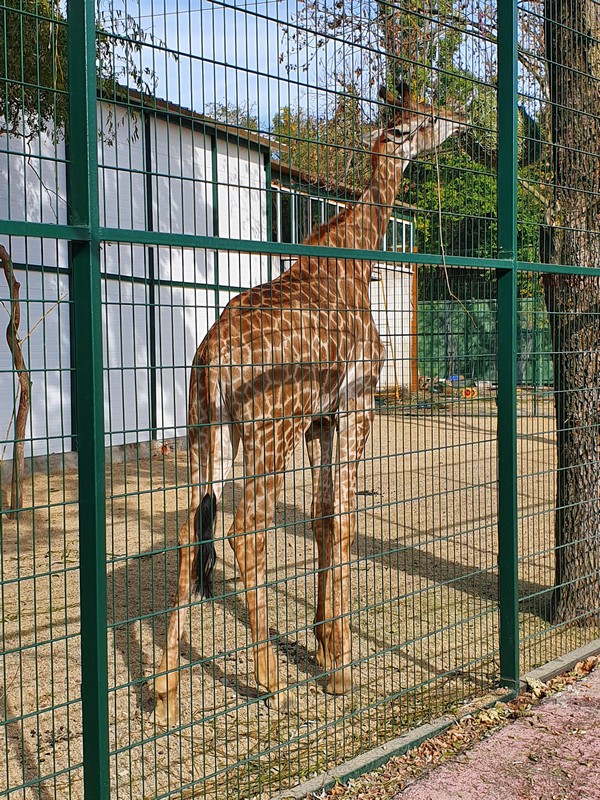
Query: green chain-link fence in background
[158,158]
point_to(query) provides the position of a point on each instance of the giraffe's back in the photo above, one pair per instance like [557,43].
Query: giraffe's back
[292,346]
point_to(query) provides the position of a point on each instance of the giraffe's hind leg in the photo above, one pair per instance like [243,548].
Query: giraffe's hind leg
[319,444]
[167,679]
[265,449]
[211,453]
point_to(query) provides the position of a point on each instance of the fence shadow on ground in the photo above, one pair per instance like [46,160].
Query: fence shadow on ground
[24,748]
[155,575]
[150,577]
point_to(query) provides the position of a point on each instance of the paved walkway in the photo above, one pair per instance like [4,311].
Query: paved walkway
[552,754]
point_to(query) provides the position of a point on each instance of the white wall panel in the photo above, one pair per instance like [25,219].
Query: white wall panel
[242,181]
[122,185]
[182,186]
[124,259]
[121,157]
[182,197]
[44,331]
[185,264]
[126,361]
[33,188]
[391,305]
[183,319]
[33,179]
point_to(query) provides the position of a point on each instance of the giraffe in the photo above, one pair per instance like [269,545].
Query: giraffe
[299,356]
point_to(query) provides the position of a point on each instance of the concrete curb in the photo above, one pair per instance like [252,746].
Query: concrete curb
[561,664]
[367,761]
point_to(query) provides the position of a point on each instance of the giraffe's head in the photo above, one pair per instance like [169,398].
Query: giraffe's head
[413,127]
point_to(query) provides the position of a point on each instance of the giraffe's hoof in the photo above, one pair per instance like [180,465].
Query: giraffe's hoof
[166,710]
[340,682]
[277,701]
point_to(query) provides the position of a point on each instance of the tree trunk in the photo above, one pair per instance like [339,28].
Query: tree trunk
[573,302]
[14,344]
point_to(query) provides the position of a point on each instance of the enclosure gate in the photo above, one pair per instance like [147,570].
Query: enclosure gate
[448,477]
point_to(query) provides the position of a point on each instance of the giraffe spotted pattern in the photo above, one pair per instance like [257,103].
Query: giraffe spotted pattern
[297,357]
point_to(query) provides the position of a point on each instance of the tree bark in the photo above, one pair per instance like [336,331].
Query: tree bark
[14,344]
[573,302]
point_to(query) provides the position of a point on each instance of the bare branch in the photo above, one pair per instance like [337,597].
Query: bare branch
[14,344]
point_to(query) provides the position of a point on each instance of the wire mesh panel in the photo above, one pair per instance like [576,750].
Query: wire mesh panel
[40,672]
[300,334]
[559,455]
[41,714]
[288,378]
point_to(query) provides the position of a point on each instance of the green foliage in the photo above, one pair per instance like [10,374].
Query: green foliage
[242,116]
[409,41]
[328,148]
[33,47]
[466,193]
[33,43]
[464,190]
[415,43]
[484,115]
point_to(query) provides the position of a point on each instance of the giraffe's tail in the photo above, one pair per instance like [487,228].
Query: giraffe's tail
[205,554]
[205,439]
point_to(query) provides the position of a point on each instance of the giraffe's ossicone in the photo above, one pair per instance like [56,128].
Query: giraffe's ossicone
[299,356]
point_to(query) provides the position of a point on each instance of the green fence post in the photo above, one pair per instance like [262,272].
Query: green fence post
[507,347]
[84,212]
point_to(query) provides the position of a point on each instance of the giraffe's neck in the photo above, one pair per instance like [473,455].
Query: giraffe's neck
[367,222]
[363,226]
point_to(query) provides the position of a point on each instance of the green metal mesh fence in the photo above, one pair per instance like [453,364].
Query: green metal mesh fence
[414,190]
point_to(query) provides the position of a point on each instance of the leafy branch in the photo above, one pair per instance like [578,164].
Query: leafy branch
[33,50]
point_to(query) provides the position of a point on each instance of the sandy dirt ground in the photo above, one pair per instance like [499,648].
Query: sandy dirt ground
[423,613]
[551,754]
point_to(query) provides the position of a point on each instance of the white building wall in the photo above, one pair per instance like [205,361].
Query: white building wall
[44,331]
[33,181]
[122,200]
[183,319]
[33,188]
[391,304]
[126,362]
[242,182]
[183,202]
[182,190]
[121,158]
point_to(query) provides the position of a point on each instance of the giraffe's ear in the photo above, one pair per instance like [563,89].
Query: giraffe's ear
[402,100]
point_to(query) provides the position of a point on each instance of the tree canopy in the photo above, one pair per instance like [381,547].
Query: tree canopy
[33,48]
[33,42]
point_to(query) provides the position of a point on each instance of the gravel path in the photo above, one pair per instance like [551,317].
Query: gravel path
[551,754]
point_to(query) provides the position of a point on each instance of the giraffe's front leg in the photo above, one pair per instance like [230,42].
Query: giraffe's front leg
[354,427]
[338,644]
